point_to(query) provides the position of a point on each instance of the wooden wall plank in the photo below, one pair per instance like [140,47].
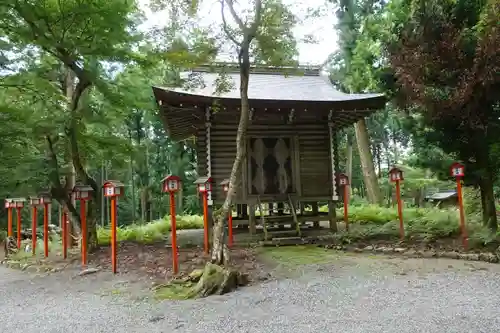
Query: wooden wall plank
[313,155]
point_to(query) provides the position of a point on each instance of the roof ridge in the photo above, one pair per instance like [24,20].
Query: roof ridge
[299,70]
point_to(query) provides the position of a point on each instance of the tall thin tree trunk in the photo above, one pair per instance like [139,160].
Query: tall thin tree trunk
[379,161]
[396,150]
[180,201]
[220,253]
[132,183]
[369,175]
[103,178]
[71,177]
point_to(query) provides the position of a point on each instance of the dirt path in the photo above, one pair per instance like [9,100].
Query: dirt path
[353,294]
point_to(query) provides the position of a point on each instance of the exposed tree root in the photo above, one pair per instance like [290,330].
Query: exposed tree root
[10,246]
[216,280]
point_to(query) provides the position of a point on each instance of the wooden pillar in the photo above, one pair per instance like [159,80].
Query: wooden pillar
[244,211]
[239,209]
[315,212]
[271,209]
[251,219]
[208,126]
[281,208]
[332,216]
[210,222]
[333,159]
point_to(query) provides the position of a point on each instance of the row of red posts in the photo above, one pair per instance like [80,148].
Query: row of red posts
[111,189]
[82,193]
[172,184]
[457,170]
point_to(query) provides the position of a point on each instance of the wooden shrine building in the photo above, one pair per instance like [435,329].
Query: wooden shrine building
[291,147]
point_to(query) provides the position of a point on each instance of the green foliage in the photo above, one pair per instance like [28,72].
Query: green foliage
[372,222]
[444,72]
[150,232]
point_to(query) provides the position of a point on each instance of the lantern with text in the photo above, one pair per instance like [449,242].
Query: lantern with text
[34,202]
[225,189]
[457,170]
[344,182]
[113,189]
[45,200]
[396,176]
[19,204]
[172,184]
[83,193]
[204,185]
[9,204]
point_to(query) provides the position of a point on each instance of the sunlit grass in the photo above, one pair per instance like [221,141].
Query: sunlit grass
[150,232]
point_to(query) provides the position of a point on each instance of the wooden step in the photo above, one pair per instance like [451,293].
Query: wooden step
[283,233]
[283,241]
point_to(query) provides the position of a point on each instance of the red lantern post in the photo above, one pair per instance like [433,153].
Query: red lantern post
[396,176]
[113,189]
[204,187]
[225,188]
[83,193]
[34,202]
[19,204]
[344,182]
[45,199]
[457,170]
[172,184]
[9,204]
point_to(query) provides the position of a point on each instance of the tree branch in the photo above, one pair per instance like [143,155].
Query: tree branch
[54,174]
[256,21]
[75,156]
[238,20]
[225,26]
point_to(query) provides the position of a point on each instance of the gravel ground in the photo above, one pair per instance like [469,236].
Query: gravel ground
[355,294]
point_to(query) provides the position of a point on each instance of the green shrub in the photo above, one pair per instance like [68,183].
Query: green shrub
[150,232]
[375,222]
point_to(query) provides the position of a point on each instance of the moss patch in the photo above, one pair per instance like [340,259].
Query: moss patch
[298,255]
[173,291]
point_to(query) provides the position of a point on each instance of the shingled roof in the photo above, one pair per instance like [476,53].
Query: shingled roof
[292,87]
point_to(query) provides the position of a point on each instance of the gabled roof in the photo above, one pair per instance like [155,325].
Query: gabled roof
[269,87]
[442,195]
[310,86]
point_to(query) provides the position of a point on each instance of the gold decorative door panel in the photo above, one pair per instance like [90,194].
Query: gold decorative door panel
[270,161]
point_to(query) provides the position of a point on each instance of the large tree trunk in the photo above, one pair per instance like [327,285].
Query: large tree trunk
[486,185]
[73,232]
[365,155]
[93,206]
